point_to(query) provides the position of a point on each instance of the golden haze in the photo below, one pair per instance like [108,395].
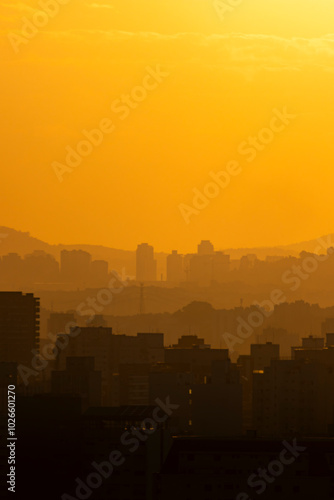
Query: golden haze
[226,77]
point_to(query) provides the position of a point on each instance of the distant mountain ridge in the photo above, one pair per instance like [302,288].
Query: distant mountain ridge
[23,243]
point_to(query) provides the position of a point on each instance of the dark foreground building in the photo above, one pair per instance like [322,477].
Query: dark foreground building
[247,469]
[19,326]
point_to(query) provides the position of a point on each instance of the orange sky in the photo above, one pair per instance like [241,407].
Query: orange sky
[226,76]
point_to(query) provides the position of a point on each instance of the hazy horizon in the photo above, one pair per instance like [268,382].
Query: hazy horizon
[165,251]
[180,94]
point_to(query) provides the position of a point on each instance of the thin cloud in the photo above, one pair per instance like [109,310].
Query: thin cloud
[101,6]
[20,6]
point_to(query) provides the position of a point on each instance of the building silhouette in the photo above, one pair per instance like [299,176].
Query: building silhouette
[175,269]
[146,265]
[19,326]
[75,266]
[80,378]
[207,266]
[293,398]
[99,273]
[200,468]
[205,248]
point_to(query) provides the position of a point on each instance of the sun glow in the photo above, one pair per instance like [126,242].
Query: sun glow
[225,78]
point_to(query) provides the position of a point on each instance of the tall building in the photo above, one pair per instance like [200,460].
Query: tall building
[205,248]
[175,271]
[201,269]
[209,397]
[263,354]
[207,266]
[327,326]
[261,357]
[203,468]
[314,349]
[40,267]
[99,273]
[280,336]
[102,430]
[19,326]
[293,397]
[198,356]
[217,404]
[75,266]
[80,378]
[96,343]
[146,265]
[220,266]
[110,351]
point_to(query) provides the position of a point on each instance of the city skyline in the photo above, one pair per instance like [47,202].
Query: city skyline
[302,244]
[167,249]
